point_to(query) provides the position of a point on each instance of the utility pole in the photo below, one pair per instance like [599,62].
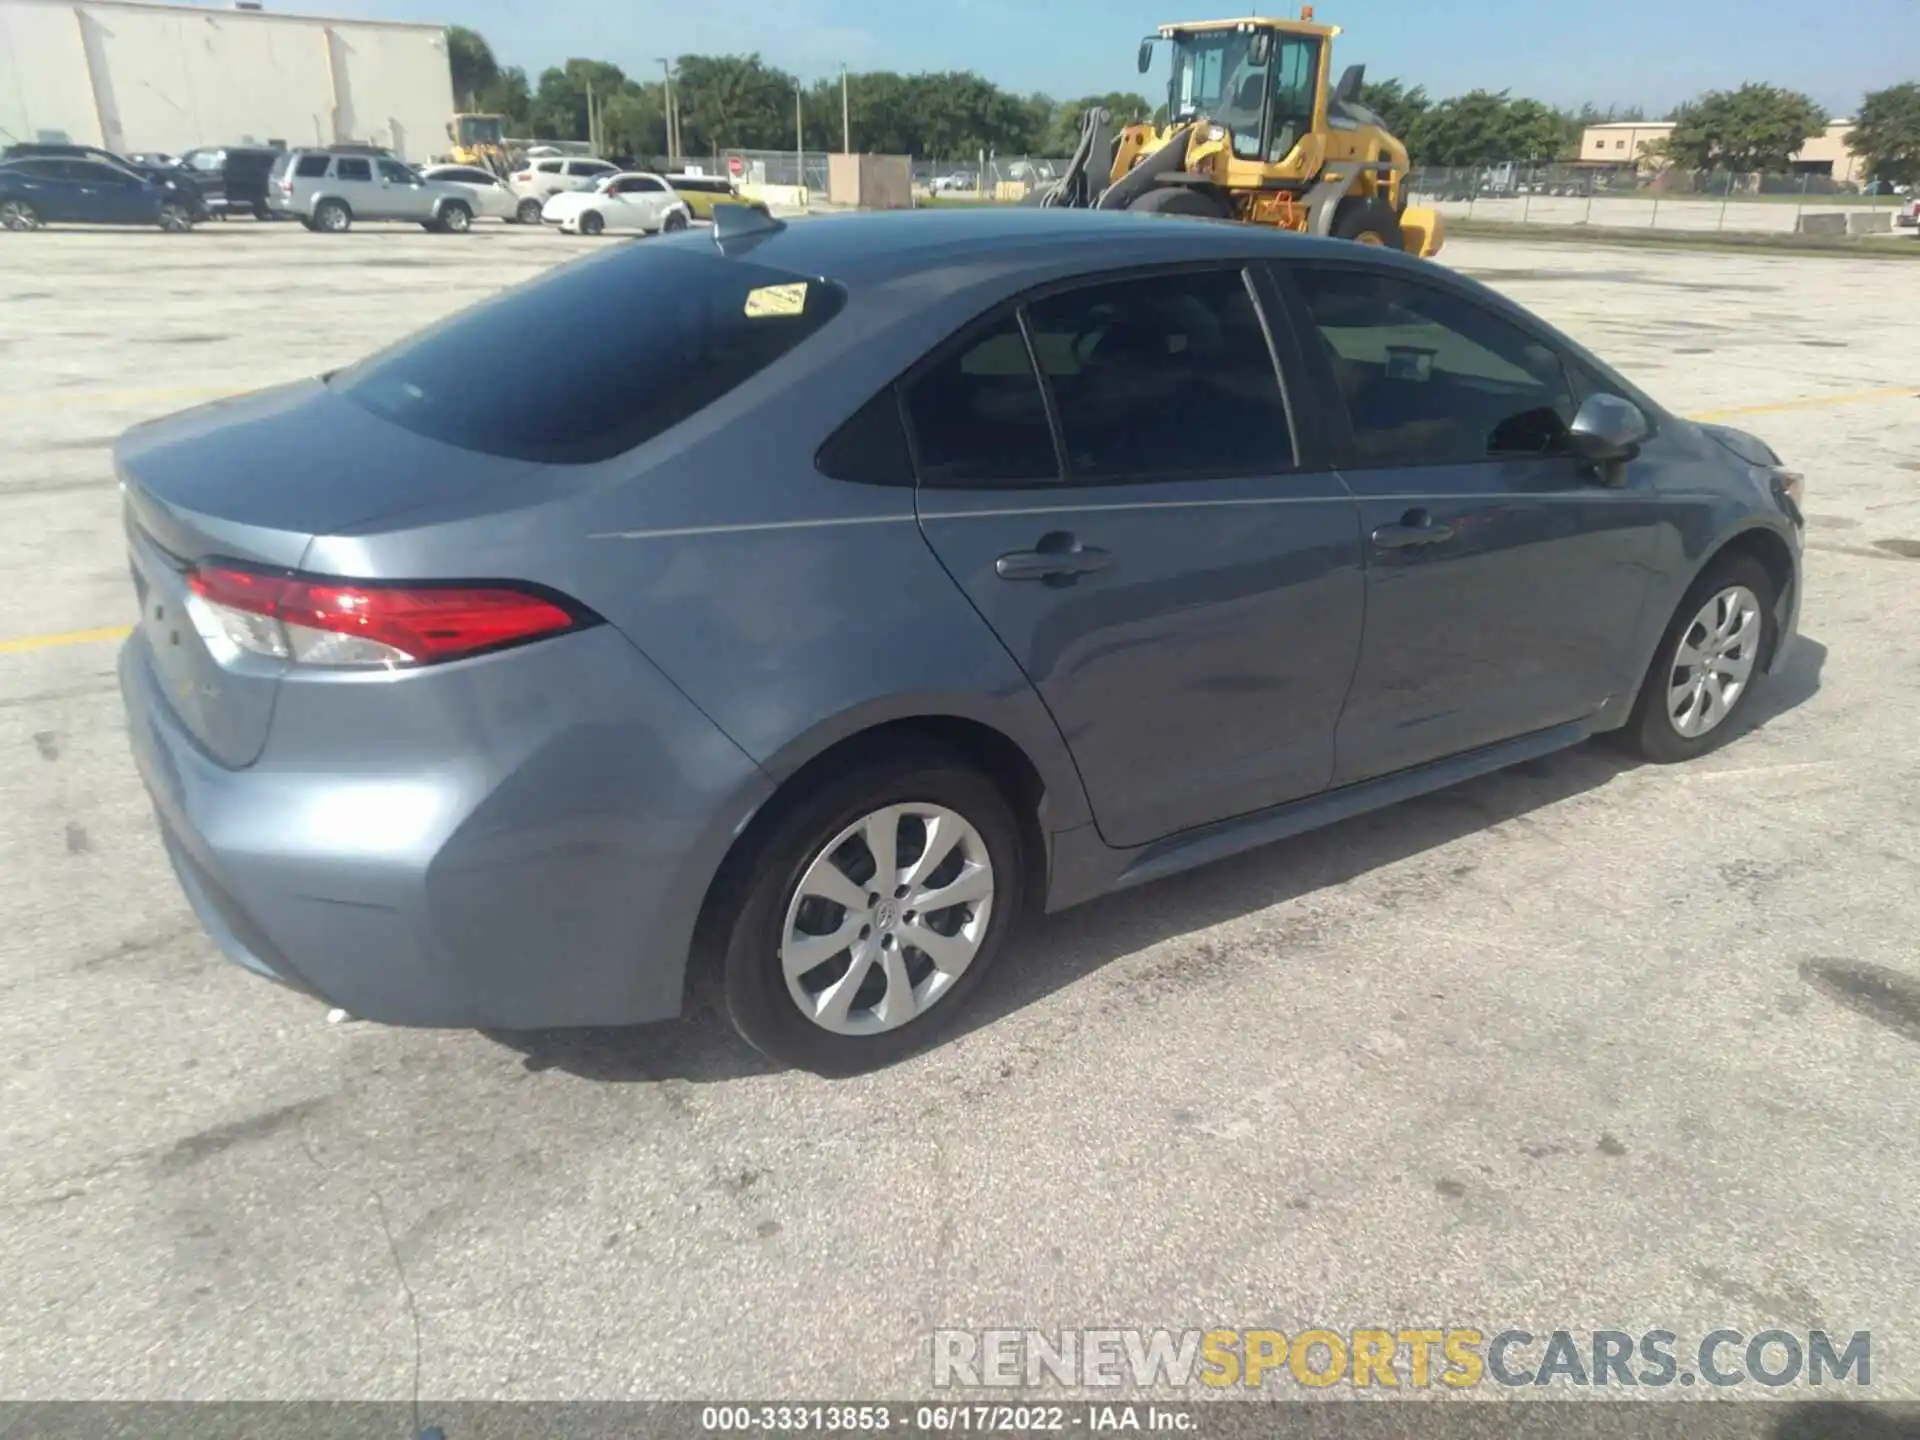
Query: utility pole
[846,115]
[671,112]
[799,139]
[593,141]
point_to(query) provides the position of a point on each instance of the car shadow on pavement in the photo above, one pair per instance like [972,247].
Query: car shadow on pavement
[1847,1420]
[1054,951]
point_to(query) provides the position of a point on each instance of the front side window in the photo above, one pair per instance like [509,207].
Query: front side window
[350,169]
[978,414]
[1429,377]
[397,174]
[1163,377]
[1296,91]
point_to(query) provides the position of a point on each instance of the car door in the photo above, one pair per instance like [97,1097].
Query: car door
[403,195]
[43,185]
[113,196]
[1503,580]
[647,198]
[1114,475]
[353,182]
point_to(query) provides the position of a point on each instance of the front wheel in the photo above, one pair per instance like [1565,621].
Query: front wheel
[867,915]
[1370,222]
[1178,200]
[1708,662]
[174,219]
[676,221]
[528,212]
[18,215]
[332,217]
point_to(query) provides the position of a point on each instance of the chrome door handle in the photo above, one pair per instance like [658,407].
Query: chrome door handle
[1058,556]
[1416,527]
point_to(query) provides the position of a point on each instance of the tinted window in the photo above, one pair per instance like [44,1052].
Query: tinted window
[311,167]
[548,167]
[1166,376]
[35,169]
[871,448]
[207,160]
[593,359]
[399,174]
[700,185]
[1431,378]
[345,169]
[644,185]
[978,415]
[588,167]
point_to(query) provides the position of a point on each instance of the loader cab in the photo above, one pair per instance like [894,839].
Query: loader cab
[1264,83]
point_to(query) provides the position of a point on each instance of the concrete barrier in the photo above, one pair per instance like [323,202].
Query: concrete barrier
[778,197]
[1870,222]
[1832,224]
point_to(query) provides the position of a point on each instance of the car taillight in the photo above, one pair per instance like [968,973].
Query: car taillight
[356,624]
[524,176]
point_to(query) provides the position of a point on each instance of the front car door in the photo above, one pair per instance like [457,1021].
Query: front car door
[1504,582]
[403,195]
[649,196]
[1145,525]
[113,196]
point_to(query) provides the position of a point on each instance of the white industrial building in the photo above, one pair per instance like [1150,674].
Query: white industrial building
[131,77]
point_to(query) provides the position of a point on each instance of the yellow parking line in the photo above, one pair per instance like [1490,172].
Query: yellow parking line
[1812,402]
[67,637]
[115,632]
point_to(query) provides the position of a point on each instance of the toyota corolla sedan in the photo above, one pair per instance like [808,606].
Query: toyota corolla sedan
[781,613]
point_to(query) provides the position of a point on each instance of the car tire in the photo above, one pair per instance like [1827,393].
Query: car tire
[18,215]
[454,218]
[1177,200]
[174,219]
[1370,222]
[1727,617]
[528,212]
[676,221]
[592,223]
[756,916]
[261,212]
[332,217]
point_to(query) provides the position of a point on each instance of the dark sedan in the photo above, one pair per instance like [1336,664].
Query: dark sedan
[786,610]
[50,190]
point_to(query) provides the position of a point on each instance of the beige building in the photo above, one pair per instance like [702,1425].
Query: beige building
[1624,142]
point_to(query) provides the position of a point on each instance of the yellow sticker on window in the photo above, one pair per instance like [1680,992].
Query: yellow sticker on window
[777,300]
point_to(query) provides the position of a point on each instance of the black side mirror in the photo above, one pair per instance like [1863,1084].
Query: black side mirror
[1146,56]
[1607,431]
[1351,79]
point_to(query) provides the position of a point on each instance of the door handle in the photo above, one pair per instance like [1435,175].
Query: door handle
[1416,527]
[1058,556]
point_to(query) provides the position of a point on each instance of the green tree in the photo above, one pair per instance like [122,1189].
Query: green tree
[634,121]
[1754,128]
[1886,133]
[1063,125]
[740,102]
[1465,130]
[471,60]
[559,106]
[508,95]
[1399,107]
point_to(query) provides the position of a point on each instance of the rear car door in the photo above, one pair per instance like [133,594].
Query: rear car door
[1114,475]
[42,185]
[353,182]
[1503,580]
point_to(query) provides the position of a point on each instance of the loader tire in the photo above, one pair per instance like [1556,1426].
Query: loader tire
[1371,222]
[1178,200]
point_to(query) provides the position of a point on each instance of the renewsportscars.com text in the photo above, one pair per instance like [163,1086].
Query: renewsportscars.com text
[1415,1359]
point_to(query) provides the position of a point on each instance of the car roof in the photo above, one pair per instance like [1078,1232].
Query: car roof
[863,249]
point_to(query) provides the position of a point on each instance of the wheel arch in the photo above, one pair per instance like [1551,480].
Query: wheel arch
[1770,548]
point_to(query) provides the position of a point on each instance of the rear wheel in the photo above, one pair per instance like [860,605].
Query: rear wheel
[332,217]
[592,223]
[676,221]
[1707,663]
[1178,200]
[175,219]
[868,914]
[455,218]
[527,212]
[18,215]
[1368,221]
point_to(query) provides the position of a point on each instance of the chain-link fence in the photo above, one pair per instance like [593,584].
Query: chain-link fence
[1531,193]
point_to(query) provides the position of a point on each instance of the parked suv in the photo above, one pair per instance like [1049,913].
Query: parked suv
[327,190]
[36,191]
[233,178]
[178,185]
[538,179]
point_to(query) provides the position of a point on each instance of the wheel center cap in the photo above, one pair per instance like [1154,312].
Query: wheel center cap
[884,915]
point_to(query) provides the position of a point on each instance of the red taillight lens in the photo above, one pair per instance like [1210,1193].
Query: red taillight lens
[359,625]
[524,176]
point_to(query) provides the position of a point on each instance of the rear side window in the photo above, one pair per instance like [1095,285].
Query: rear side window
[871,448]
[1163,377]
[593,359]
[978,415]
[548,167]
[311,167]
[348,169]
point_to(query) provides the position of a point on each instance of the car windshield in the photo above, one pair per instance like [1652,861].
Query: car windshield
[594,359]
[1214,74]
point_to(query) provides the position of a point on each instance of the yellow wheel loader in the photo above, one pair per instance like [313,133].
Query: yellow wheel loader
[1253,133]
[480,140]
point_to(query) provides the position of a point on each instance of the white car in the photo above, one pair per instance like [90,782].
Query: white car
[542,176]
[486,192]
[1909,218]
[630,200]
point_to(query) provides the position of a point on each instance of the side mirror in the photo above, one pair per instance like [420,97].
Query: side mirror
[1261,50]
[1607,431]
[1146,56]
[1351,79]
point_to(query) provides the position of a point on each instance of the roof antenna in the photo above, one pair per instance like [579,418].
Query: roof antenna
[735,221]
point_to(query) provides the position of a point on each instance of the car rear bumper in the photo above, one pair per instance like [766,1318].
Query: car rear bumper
[544,868]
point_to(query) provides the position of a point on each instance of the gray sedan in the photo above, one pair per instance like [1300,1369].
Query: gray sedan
[781,612]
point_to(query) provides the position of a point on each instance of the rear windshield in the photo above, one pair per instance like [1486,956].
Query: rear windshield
[593,359]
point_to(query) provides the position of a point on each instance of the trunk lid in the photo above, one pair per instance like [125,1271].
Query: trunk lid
[253,480]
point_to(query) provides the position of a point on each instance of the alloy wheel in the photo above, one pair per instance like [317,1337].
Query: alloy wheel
[17,215]
[886,918]
[1714,662]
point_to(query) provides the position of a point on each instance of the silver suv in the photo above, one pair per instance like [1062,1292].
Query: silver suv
[328,190]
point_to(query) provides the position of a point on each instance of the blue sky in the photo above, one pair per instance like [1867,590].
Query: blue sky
[1646,52]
